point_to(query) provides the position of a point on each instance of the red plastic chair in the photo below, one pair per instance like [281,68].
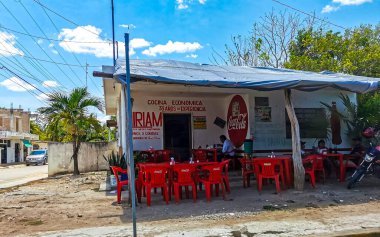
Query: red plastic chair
[200,154]
[155,177]
[116,170]
[224,164]
[309,165]
[162,155]
[184,177]
[269,168]
[214,177]
[247,169]
[319,166]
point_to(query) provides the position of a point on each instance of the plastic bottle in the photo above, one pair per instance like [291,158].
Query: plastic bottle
[172,161]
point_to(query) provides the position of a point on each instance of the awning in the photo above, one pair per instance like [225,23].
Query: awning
[27,143]
[256,78]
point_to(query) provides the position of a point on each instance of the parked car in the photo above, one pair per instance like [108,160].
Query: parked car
[37,157]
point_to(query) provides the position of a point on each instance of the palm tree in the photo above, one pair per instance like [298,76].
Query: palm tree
[71,112]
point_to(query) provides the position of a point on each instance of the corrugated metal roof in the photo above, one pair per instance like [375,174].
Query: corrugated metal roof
[256,78]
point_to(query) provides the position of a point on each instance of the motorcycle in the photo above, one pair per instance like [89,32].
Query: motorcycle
[371,159]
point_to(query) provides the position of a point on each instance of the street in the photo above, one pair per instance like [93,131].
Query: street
[19,174]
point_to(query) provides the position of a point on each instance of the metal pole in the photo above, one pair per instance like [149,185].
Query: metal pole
[113,33]
[131,161]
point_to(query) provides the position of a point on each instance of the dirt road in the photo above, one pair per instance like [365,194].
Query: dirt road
[73,206]
[20,174]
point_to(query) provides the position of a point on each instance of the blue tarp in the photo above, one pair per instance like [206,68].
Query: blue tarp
[256,78]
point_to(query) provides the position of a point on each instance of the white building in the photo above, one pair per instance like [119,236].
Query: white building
[180,106]
[15,136]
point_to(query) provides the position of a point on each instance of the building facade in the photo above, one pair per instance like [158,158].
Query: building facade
[15,136]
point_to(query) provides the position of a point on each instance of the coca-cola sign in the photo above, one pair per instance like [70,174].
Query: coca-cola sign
[237,120]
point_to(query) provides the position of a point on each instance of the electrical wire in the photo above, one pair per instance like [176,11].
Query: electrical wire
[63,17]
[47,61]
[26,89]
[43,32]
[32,63]
[308,14]
[15,74]
[59,68]
[76,58]
[55,40]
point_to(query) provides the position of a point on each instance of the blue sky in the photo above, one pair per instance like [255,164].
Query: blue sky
[185,30]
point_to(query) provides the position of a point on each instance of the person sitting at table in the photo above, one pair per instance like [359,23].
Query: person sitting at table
[357,151]
[322,147]
[228,148]
[327,163]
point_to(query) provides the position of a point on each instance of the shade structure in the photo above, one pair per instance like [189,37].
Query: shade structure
[256,78]
[27,143]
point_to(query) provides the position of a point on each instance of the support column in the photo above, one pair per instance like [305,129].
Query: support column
[299,171]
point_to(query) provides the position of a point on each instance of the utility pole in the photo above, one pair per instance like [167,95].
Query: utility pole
[113,33]
[128,131]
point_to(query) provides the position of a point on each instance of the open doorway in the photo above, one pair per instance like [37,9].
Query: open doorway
[177,134]
[3,151]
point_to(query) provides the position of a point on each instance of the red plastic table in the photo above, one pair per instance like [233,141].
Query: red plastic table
[342,169]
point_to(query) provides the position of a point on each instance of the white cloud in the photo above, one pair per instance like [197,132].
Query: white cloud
[51,45]
[129,26]
[7,45]
[40,41]
[50,84]
[16,84]
[139,43]
[97,46]
[340,3]
[192,56]
[329,8]
[182,4]
[172,47]
[351,2]
[54,51]
[185,4]
[42,96]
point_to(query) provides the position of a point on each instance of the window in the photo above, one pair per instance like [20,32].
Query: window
[313,123]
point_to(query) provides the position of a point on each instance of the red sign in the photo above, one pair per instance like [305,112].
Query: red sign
[237,120]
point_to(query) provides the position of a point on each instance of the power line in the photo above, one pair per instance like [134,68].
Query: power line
[60,55]
[56,40]
[63,17]
[47,61]
[15,18]
[28,90]
[4,67]
[76,58]
[32,63]
[311,15]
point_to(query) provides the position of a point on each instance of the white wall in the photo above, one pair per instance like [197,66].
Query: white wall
[214,105]
[272,135]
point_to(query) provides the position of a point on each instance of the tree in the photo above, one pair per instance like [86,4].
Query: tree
[69,113]
[355,52]
[268,43]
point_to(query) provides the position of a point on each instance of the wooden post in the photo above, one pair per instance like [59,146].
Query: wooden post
[299,171]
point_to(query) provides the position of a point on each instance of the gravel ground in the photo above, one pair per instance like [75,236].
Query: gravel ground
[68,204]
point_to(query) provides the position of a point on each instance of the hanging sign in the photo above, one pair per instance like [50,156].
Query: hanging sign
[237,120]
[199,122]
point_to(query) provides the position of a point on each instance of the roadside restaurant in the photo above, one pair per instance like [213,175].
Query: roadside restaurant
[182,106]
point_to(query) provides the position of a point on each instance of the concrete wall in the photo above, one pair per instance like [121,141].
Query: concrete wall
[90,157]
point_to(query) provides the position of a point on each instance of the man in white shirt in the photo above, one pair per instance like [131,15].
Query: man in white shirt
[228,147]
